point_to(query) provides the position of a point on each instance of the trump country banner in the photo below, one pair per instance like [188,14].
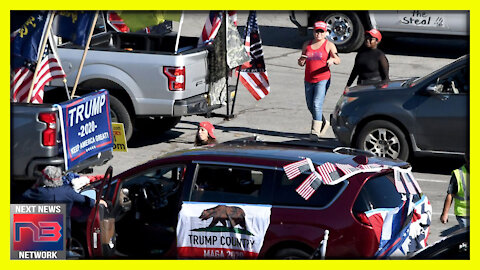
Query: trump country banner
[86,127]
[218,231]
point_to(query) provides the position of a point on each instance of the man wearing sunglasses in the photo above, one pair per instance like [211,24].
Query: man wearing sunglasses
[371,64]
[317,56]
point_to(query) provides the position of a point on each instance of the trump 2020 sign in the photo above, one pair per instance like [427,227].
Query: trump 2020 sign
[86,127]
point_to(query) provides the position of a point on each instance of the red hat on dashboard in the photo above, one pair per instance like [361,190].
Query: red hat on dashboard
[375,33]
[320,25]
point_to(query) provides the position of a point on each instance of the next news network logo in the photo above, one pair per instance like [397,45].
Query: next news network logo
[38,231]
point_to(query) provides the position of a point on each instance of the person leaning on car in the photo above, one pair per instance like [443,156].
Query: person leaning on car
[458,190]
[371,65]
[49,188]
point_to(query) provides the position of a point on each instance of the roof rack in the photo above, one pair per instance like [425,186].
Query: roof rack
[353,151]
[303,143]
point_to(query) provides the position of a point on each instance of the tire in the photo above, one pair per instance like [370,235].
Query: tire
[291,254]
[384,139]
[157,124]
[345,29]
[119,114]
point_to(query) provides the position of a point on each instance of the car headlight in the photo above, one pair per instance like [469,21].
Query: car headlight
[344,100]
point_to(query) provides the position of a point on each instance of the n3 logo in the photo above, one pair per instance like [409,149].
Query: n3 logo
[43,232]
[38,232]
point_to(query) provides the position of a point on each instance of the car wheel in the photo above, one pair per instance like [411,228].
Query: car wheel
[291,254]
[384,139]
[345,30]
[157,124]
[119,114]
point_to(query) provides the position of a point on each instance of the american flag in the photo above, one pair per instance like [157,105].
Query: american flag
[293,170]
[254,75]
[48,70]
[328,172]
[211,27]
[345,168]
[309,186]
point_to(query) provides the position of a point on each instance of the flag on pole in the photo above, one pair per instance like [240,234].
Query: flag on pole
[293,170]
[211,27]
[328,172]
[73,25]
[254,75]
[49,69]
[236,53]
[138,20]
[27,39]
[309,186]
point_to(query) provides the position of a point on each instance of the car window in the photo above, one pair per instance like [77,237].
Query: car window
[228,184]
[378,192]
[285,193]
[455,82]
[161,180]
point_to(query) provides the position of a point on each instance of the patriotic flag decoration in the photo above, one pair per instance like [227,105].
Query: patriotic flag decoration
[254,75]
[346,168]
[48,70]
[293,170]
[73,25]
[309,186]
[211,27]
[328,172]
[26,40]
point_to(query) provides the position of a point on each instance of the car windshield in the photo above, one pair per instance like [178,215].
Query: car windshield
[418,80]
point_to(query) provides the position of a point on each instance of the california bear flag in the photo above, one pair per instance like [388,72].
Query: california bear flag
[222,231]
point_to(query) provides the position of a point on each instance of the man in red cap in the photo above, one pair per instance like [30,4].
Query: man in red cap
[371,65]
[205,134]
[318,55]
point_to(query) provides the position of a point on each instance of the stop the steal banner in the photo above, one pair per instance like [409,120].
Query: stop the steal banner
[221,231]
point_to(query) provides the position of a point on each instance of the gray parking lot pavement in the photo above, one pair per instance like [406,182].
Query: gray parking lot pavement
[283,116]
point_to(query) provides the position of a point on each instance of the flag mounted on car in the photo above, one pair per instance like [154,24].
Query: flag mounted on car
[211,27]
[48,70]
[309,186]
[254,74]
[73,25]
[26,44]
[294,169]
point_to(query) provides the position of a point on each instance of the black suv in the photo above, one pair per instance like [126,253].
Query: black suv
[427,115]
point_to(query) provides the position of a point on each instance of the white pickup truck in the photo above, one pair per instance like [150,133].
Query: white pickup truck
[346,28]
[150,84]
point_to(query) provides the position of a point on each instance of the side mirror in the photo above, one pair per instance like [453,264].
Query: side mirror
[431,90]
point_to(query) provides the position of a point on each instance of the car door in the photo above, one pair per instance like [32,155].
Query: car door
[442,112]
[101,240]
[227,213]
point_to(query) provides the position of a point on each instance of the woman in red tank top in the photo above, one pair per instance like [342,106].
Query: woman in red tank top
[317,57]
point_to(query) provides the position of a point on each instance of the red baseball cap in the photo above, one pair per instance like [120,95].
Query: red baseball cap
[209,127]
[375,33]
[320,25]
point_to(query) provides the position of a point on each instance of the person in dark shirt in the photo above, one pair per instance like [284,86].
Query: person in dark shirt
[50,189]
[371,64]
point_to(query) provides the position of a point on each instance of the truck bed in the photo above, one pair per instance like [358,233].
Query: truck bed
[137,42]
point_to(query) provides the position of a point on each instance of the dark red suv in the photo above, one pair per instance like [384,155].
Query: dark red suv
[234,200]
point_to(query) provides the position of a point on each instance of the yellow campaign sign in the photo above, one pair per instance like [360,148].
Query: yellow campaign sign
[119,141]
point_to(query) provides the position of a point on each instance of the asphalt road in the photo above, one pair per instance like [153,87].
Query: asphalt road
[283,115]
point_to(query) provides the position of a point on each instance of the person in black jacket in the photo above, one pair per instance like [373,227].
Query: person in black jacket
[371,65]
[50,189]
